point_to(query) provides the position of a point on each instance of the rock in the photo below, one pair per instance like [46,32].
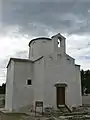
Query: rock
[80,109]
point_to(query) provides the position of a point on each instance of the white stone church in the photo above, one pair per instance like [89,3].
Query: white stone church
[48,75]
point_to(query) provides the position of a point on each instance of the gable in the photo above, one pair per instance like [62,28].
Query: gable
[70,59]
[57,59]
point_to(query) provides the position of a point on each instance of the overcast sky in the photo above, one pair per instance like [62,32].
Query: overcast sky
[21,20]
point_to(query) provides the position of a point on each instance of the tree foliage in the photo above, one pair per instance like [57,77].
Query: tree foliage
[2,88]
[85,80]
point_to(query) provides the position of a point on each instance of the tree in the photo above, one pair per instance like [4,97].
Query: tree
[85,80]
[82,81]
[2,88]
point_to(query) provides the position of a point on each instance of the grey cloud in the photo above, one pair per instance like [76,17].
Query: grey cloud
[53,15]
[84,57]
[21,54]
[3,63]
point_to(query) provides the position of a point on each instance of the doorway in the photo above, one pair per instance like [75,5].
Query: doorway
[60,93]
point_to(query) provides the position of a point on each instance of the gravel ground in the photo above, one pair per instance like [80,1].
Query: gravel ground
[54,115]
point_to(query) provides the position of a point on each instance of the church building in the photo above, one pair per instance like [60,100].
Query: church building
[48,75]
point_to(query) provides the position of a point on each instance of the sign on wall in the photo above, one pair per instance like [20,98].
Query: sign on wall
[38,104]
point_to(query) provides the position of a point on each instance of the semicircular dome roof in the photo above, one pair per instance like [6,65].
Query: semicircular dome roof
[40,38]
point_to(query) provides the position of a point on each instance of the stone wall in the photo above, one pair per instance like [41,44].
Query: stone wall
[86,99]
[2,100]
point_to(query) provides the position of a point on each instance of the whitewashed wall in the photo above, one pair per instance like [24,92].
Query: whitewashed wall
[9,86]
[40,48]
[58,67]
[38,81]
[22,93]
[62,71]
[78,84]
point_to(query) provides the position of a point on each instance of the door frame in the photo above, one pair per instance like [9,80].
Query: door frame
[60,85]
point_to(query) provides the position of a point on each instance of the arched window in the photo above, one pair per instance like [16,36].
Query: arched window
[59,43]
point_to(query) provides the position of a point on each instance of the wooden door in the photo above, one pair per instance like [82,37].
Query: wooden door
[60,96]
